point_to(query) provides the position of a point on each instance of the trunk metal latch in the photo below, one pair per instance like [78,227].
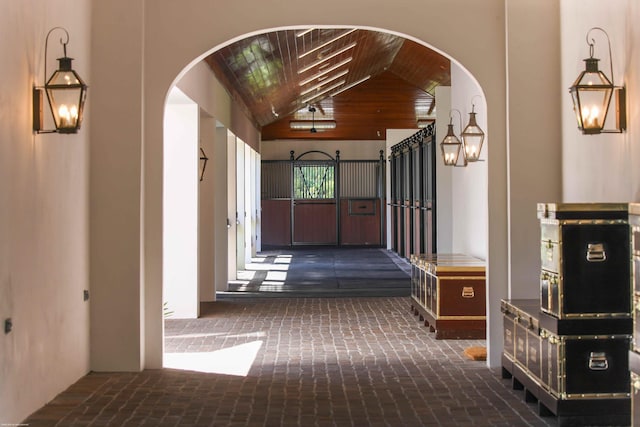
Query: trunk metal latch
[598,361]
[596,253]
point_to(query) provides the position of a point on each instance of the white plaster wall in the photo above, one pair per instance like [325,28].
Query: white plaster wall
[119,259]
[181,154]
[240,204]
[207,215]
[232,210]
[605,167]
[44,213]
[222,219]
[199,83]
[469,189]
[534,133]
[444,193]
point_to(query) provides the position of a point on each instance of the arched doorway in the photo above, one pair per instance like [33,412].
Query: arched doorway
[454,180]
[192,35]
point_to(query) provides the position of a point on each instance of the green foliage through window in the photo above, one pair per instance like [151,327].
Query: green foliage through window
[314,181]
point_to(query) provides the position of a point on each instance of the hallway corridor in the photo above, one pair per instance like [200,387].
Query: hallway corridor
[299,362]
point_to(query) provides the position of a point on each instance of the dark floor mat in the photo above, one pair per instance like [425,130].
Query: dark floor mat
[325,271]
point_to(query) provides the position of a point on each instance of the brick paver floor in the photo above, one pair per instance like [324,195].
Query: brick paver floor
[309,362]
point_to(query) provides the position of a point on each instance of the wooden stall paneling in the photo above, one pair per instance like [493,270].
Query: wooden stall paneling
[315,222]
[276,222]
[360,222]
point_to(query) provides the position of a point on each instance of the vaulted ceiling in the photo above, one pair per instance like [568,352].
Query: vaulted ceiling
[363,82]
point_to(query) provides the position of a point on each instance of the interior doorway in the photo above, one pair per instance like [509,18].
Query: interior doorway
[320,199]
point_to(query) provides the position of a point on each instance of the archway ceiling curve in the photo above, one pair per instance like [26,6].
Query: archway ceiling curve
[366,81]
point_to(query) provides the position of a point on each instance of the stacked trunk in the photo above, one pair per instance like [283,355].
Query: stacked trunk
[571,348]
[448,292]
[634,354]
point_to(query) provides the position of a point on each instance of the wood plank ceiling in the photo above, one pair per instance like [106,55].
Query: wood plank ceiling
[361,81]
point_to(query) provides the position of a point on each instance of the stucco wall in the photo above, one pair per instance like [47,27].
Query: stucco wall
[605,167]
[468,192]
[44,213]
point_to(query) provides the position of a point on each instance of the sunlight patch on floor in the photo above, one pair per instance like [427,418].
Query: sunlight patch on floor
[276,276]
[283,259]
[236,360]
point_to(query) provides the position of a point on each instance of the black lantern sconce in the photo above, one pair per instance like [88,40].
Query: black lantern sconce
[592,92]
[204,159]
[66,93]
[450,145]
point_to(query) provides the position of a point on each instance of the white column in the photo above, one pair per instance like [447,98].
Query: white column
[180,218]
[232,268]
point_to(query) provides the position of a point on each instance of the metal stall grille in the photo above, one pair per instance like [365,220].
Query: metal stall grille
[413,194]
[275,180]
[323,202]
[360,179]
[314,180]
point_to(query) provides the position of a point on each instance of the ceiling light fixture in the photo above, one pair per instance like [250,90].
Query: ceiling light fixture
[333,40]
[66,93]
[324,82]
[326,71]
[312,109]
[329,89]
[350,85]
[311,124]
[326,58]
[591,94]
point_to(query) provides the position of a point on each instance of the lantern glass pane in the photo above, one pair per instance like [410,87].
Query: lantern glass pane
[450,150]
[576,107]
[66,93]
[62,77]
[472,138]
[472,146]
[593,105]
[592,78]
[66,106]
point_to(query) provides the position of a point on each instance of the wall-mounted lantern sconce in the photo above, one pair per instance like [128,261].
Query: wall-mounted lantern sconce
[591,94]
[204,159]
[66,93]
[471,144]
[450,145]
[472,137]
